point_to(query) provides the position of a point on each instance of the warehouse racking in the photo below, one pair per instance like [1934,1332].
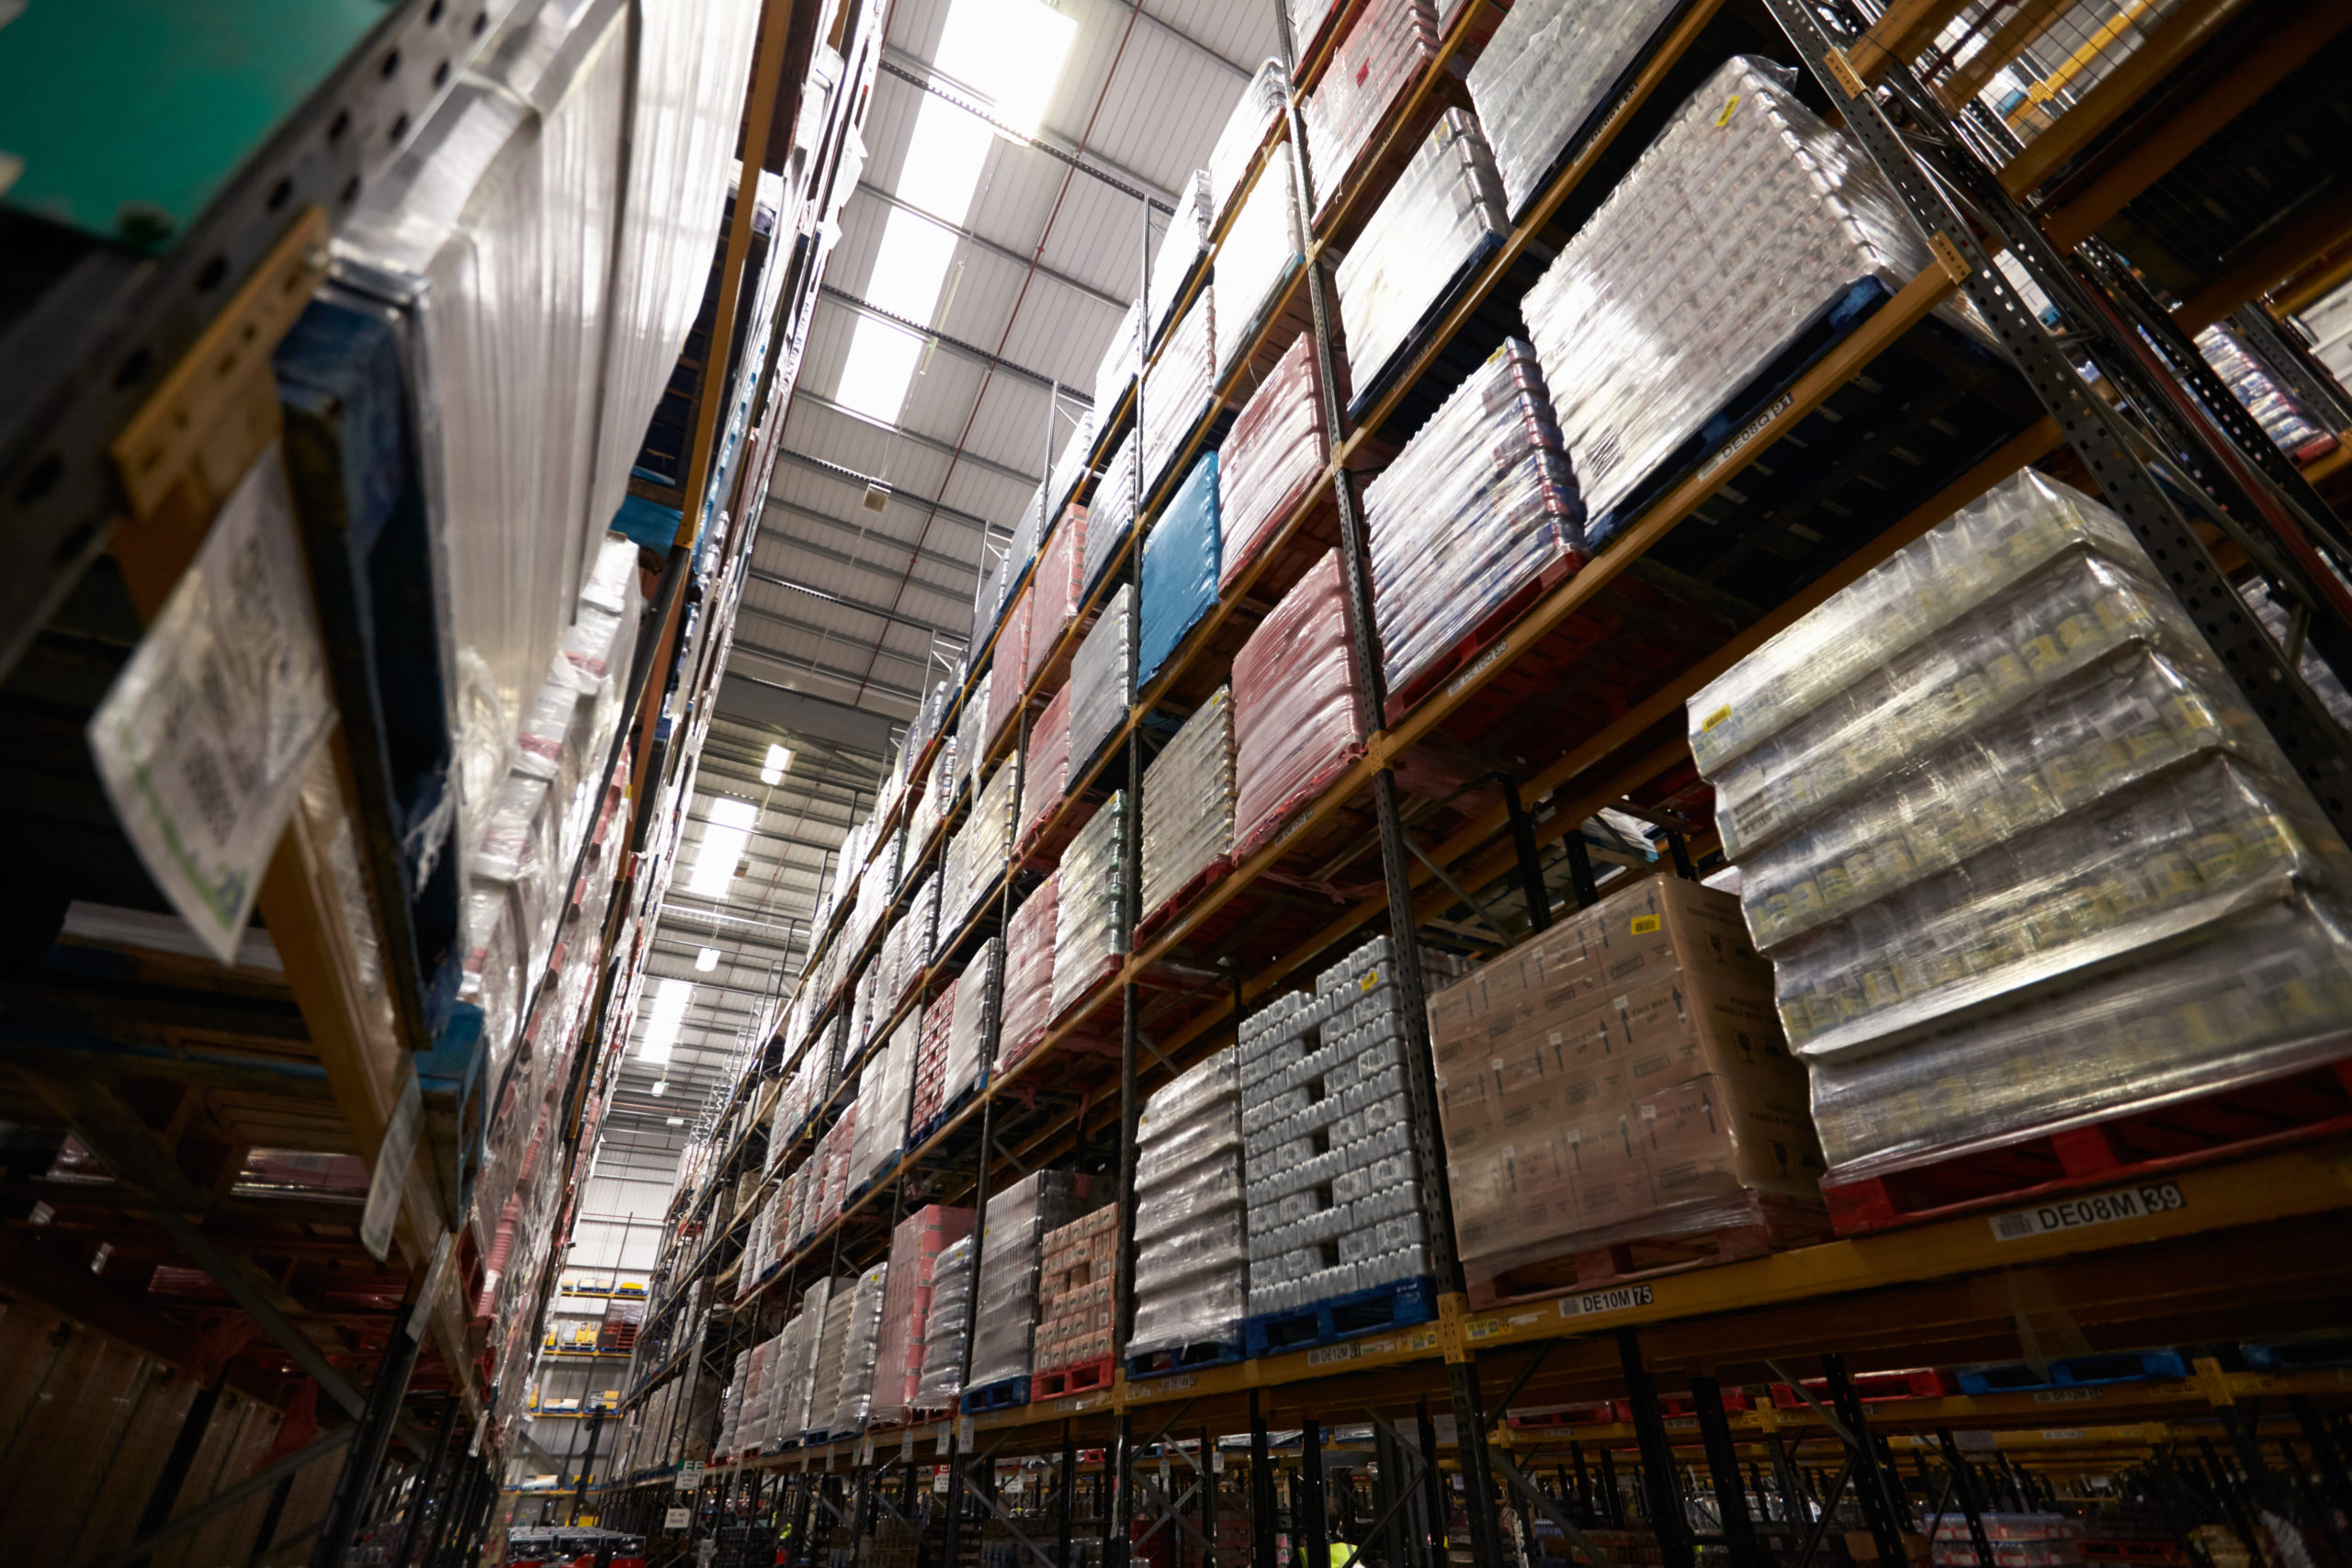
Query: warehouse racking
[1895,409]
[255,1189]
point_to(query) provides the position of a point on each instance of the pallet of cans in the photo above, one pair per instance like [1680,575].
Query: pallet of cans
[1101,677]
[854,1390]
[1110,512]
[1335,1222]
[1382,52]
[1057,590]
[1261,249]
[1188,811]
[1553,70]
[1005,1334]
[1255,113]
[946,1327]
[1191,1224]
[1045,773]
[1088,944]
[1180,387]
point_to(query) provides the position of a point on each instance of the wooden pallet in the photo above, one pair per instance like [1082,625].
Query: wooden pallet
[1077,1377]
[1773,1224]
[2134,1147]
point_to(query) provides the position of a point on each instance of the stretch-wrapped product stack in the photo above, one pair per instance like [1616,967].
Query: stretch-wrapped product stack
[1077,1271]
[1183,248]
[1101,677]
[907,1299]
[1122,357]
[2020,855]
[2282,415]
[1550,68]
[1381,52]
[1334,1185]
[1254,114]
[926,1099]
[1046,775]
[1259,249]
[1070,470]
[883,1091]
[976,855]
[831,1354]
[1180,387]
[1271,459]
[1028,974]
[853,1390]
[1057,590]
[946,1328]
[1191,1226]
[1087,943]
[1011,1250]
[1007,680]
[938,795]
[1188,807]
[1442,216]
[1742,225]
[1180,568]
[968,1031]
[1480,503]
[1297,720]
[1111,514]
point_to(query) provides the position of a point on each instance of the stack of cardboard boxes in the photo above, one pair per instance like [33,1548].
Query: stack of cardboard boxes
[1619,1079]
[1075,1278]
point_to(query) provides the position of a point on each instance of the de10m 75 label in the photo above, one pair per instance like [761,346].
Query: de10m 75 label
[2091,1208]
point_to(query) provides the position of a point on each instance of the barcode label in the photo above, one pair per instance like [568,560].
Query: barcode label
[2095,1209]
[1328,1354]
[1618,1300]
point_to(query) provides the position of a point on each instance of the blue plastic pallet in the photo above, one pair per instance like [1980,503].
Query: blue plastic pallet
[1397,1305]
[2296,1355]
[2073,1371]
[1002,1394]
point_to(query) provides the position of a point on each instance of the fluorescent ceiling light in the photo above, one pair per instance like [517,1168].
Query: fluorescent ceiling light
[677,1121]
[664,1019]
[706,960]
[1010,54]
[779,758]
[723,840]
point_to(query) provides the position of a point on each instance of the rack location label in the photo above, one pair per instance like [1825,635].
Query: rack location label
[2092,1209]
[1588,1304]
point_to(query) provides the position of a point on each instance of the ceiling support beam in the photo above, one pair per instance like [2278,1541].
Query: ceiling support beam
[1076,285]
[929,442]
[826,552]
[955,345]
[922,74]
[920,661]
[850,476]
[795,661]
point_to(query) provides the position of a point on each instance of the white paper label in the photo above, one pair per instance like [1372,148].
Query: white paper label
[2091,1208]
[392,1159]
[677,1519]
[201,742]
[1617,1300]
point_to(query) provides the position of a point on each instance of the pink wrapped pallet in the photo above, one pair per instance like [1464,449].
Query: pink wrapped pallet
[1297,720]
[931,1058]
[1055,591]
[1047,776]
[1272,459]
[1006,682]
[1383,51]
[915,1248]
[1028,974]
[837,1148]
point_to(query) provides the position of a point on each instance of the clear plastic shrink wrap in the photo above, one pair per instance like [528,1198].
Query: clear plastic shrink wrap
[1122,357]
[1254,114]
[883,1091]
[1551,66]
[1055,591]
[1077,1273]
[1111,514]
[1192,1236]
[1479,503]
[1087,941]
[1258,251]
[2282,415]
[1298,721]
[1734,231]
[1332,1182]
[925,1099]
[1100,677]
[907,1298]
[946,1328]
[1381,52]
[1028,973]
[938,794]
[1188,807]
[975,713]
[831,1354]
[2018,854]
[853,1393]
[975,1004]
[1179,386]
[1071,469]
[1183,248]
[917,929]
[1046,774]
[1010,1251]
[976,854]
[1443,214]
[1007,680]
[1271,459]
[1180,568]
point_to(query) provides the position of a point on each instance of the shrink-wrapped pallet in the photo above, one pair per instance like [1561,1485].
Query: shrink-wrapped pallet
[1088,940]
[1298,719]
[1046,772]
[973,1025]
[1263,244]
[1111,514]
[969,747]
[908,1294]
[1078,1264]
[1010,1251]
[1122,357]
[1480,503]
[2020,855]
[1183,248]
[1381,52]
[946,1329]
[1180,568]
[925,1099]
[1551,67]
[1027,1006]
[1101,679]
[1007,669]
[831,1354]
[939,792]
[977,851]
[1057,591]
[853,1393]
[1192,1230]
[1180,387]
[1188,807]
[1270,459]
[1070,470]
[1442,218]
[883,1093]
[1255,113]
[1745,222]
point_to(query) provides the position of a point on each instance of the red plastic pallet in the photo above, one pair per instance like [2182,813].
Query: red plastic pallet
[2132,1145]
[1078,1377]
[1872,1388]
[1182,900]
[1474,642]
